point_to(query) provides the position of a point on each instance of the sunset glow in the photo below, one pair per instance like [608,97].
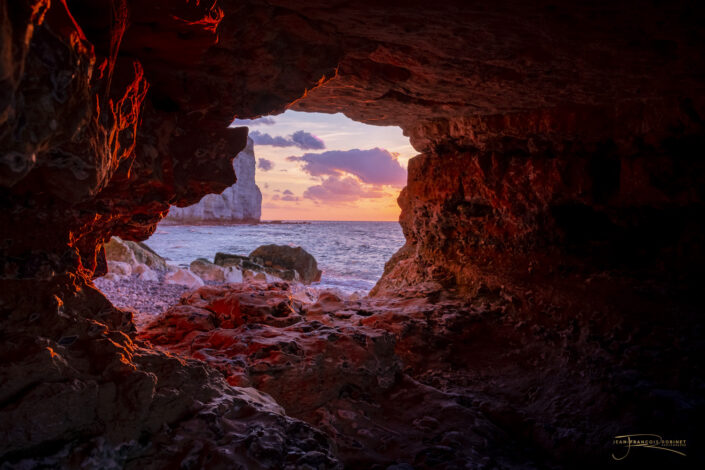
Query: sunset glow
[313,166]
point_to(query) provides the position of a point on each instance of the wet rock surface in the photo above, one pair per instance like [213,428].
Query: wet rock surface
[104,400]
[436,381]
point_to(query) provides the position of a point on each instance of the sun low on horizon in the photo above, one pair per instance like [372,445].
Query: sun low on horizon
[315,166]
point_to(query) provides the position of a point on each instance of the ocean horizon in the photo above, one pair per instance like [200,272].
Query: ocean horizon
[265,221]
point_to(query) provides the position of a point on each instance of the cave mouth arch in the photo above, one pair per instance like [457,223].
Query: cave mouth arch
[554,227]
[322,182]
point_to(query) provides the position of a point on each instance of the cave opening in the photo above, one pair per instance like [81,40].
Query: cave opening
[321,182]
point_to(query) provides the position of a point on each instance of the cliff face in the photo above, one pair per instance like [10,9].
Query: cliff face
[241,202]
[554,224]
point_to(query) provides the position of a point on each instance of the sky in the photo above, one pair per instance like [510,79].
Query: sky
[315,166]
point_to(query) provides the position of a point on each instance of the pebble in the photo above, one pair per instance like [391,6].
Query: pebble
[146,297]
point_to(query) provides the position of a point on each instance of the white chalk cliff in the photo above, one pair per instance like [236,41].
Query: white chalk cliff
[241,202]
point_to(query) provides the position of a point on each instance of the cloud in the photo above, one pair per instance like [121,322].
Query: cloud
[374,166]
[306,141]
[286,196]
[264,164]
[300,139]
[334,189]
[266,121]
[260,138]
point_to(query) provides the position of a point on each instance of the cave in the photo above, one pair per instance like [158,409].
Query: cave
[545,307]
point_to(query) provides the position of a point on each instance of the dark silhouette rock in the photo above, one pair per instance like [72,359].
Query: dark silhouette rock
[227,260]
[283,257]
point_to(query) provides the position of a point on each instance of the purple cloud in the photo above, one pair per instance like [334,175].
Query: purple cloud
[262,138]
[300,139]
[286,196]
[335,189]
[374,166]
[264,164]
[306,141]
[266,121]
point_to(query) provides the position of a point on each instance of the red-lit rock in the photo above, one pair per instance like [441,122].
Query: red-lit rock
[431,379]
[322,365]
[543,192]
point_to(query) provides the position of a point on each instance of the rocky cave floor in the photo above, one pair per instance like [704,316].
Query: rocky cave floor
[506,378]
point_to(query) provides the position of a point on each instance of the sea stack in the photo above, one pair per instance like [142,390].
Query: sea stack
[241,202]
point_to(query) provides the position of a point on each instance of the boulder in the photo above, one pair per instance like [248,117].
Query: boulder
[252,270]
[120,268]
[133,253]
[233,274]
[286,258]
[140,268]
[148,256]
[207,270]
[172,268]
[226,259]
[113,277]
[184,277]
[149,275]
[145,273]
[118,250]
[260,276]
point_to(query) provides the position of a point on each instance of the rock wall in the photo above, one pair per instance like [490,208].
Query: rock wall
[570,189]
[241,202]
[88,152]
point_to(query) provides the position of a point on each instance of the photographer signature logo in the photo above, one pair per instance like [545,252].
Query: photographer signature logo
[649,441]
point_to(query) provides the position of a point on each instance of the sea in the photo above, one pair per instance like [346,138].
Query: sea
[350,254]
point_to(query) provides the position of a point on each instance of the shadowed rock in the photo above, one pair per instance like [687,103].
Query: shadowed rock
[283,257]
